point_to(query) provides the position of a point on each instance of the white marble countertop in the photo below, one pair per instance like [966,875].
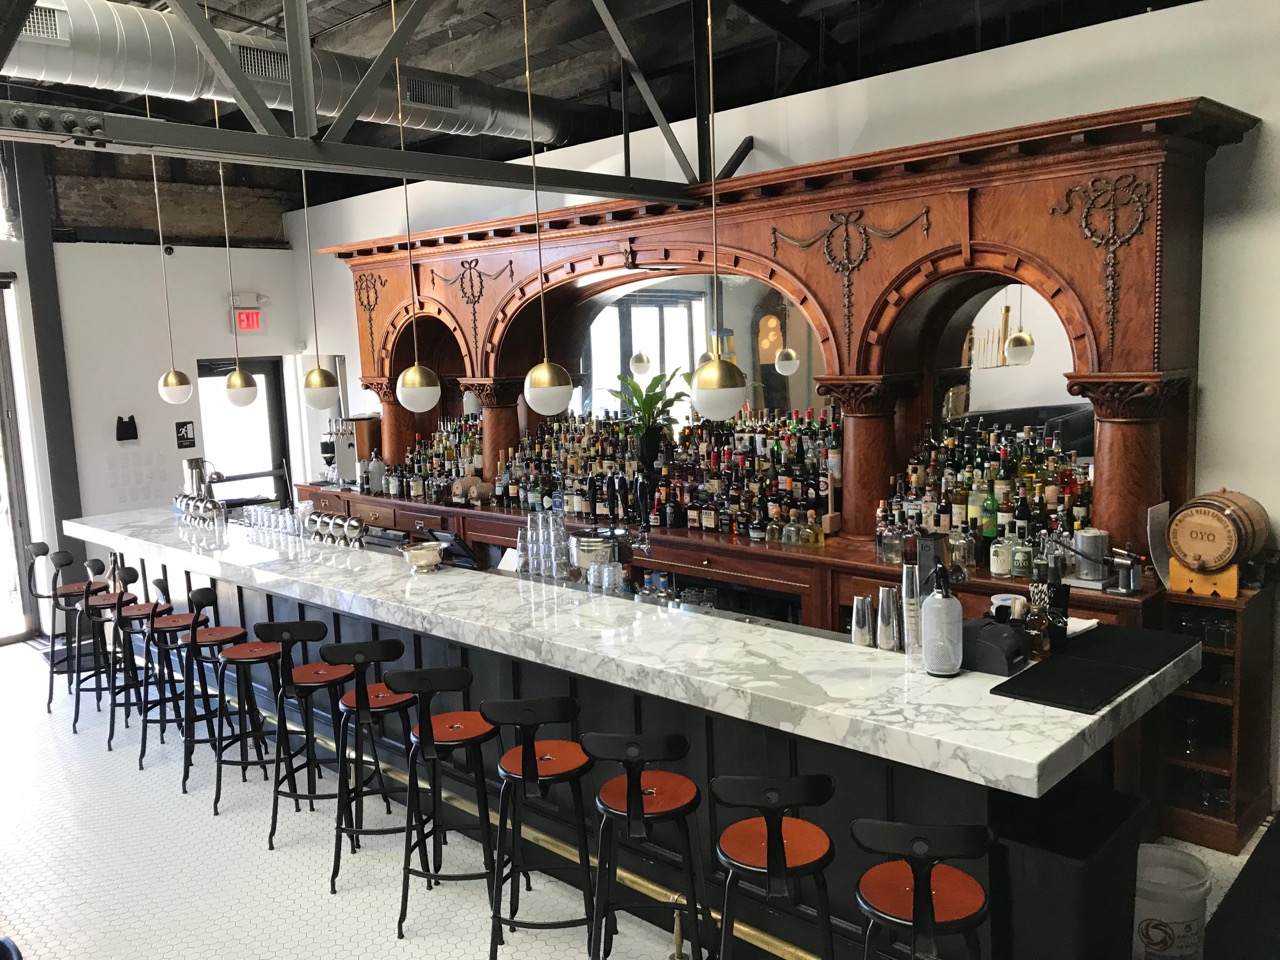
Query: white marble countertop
[832,692]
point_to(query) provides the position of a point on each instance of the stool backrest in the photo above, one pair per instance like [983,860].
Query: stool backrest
[362,655]
[127,577]
[773,798]
[527,716]
[634,751]
[94,568]
[162,590]
[426,684]
[923,847]
[60,561]
[289,633]
[34,552]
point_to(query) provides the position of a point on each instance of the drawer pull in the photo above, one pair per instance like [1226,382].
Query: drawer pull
[324,504]
[419,524]
[373,516]
[706,562]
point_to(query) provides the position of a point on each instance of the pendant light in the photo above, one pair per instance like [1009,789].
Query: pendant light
[787,362]
[320,386]
[174,386]
[719,385]
[242,389]
[548,387]
[640,364]
[417,387]
[1021,346]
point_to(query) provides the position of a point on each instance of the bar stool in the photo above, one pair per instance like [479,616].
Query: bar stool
[775,846]
[300,684]
[157,622]
[639,798]
[63,598]
[360,708]
[35,551]
[97,608]
[917,893]
[124,684]
[527,771]
[249,727]
[434,735]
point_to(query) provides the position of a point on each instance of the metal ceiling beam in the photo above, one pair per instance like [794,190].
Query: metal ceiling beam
[12,20]
[302,76]
[646,92]
[372,78]
[735,160]
[56,126]
[226,67]
[808,35]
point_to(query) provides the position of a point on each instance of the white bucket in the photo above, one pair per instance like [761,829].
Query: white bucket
[1169,913]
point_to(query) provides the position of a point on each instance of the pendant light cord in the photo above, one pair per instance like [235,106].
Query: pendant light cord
[164,266]
[533,167]
[226,225]
[715,231]
[311,269]
[408,229]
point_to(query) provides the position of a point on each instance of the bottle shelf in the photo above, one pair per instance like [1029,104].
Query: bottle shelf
[1215,760]
[1205,693]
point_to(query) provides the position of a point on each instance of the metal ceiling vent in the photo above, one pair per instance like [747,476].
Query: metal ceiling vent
[138,50]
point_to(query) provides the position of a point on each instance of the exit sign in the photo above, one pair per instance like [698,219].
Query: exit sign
[247,321]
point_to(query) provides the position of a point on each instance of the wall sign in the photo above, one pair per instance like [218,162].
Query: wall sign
[247,320]
[186,430]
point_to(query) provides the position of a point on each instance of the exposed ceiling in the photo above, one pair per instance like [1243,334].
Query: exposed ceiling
[764,49]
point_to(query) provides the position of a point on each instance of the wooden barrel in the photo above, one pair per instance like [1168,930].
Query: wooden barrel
[1215,530]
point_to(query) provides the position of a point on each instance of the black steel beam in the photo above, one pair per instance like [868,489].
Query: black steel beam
[806,34]
[302,78]
[372,78]
[12,19]
[54,126]
[226,67]
[702,89]
[735,160]
[646,92]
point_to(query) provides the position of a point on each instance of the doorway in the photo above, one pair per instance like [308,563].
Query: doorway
[15,613]
[250,442]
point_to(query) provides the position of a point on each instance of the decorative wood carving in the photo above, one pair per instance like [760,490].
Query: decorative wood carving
[470,282]
[367,287]
[865,396]
[383,389]
[495,391]
[1127,396]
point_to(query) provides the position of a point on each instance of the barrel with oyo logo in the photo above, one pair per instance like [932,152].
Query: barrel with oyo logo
[1215,530]
[1169,908]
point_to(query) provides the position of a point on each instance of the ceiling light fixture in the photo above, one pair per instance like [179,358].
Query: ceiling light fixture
[320,386]
[174,386]
[1021,346]
[719,385]
[548,388]
[640,364]
[242,389]
[787,362]
[417,387]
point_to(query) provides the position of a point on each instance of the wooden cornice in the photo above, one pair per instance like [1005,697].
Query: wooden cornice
[1196,120]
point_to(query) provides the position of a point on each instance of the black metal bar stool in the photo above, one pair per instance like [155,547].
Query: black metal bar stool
[124,682]
[637,799]
[527,771]
[361,708]
[249,727]
[97,609]
[776,845]
[916,892]
[300,684]
[162,655]
[438,734]
[63,598]
[35,551]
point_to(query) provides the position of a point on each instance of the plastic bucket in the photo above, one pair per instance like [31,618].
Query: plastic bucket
[1169,911]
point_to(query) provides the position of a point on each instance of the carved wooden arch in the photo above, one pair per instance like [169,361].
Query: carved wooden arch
[981,257]
[398,322]
[689,258]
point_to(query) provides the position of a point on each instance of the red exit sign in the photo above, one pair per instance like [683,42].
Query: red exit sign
[249,321]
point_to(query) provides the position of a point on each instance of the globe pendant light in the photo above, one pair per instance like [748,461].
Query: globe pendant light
[640,364]
[1021,346]
[787,362]
[320,386]
[418,387]
[719,385]
[175,386]
[548,388]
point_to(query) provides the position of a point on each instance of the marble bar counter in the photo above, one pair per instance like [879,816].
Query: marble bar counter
[808,686]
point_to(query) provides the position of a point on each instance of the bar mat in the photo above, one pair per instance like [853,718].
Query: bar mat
[1147,650]
[1083,686]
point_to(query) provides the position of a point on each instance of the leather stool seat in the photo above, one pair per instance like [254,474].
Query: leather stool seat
[104,601]
[76,589]
[141,611]
[381,697]
[179,621]
[322,674]
[803,842]
[459,726]
[887,889]
[555,758]
[212,635]
[662,792]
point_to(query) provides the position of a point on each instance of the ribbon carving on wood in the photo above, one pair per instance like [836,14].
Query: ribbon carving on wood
[1112,213]
[367,287]
[470,283]
[848,253]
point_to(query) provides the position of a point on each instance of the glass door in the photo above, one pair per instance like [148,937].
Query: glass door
[246,440]
[15,612]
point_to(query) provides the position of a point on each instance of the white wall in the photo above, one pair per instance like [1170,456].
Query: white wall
[114,325]
[1038,383]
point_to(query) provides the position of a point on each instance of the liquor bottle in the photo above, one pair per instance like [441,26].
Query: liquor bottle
[945,510]
[1004,512]
[791,532]
[1022,513]
[1022,556]
[891,549]
[773,532]
[1001,562]
[377,474]
[812,534]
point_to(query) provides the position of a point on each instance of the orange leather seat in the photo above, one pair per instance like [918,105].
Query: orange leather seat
[76,589]
[178,621]
[661,792]
[888,888]
[321,674]
[250,652]
[216,635]
[459,726]
[803,842]
[555,758]
[140,611]
[381,697]
[108,600]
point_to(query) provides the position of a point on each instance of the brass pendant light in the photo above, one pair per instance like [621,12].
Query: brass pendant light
[320,386]
[548,388]
[719,385]
[417,387]
[787,362]
[174,386]
[1021,346]
[640,364]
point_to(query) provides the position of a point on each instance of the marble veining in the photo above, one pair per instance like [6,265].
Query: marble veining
[832,692]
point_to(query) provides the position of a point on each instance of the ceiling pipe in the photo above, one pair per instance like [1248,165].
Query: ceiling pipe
[136,50]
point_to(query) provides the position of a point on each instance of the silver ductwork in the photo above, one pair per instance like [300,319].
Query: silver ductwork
[137,50]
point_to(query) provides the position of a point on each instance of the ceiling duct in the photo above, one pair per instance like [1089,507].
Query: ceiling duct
[140,51]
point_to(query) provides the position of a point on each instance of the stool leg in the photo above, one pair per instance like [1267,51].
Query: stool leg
[357,784]
[412,820]
[700,882]
[868,938]
[726,917]
[437,817]
[824,917]
[284,748]
[517,848]
[344,770]
[257,726]
[172,657]
[377,769]
[308,708]
[603,862]
[53,650]
[75,714]
[282,756]
[584,853]
[205,695]
[972,945]
[691,889]
[98,648]
[499,871]
[220,742]
[146,699]
[475,759]
[242,715]
[114,665]
[188,714]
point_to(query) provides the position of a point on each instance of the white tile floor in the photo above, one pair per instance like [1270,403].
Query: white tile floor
[101,861]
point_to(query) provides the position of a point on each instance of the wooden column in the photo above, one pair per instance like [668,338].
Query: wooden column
[499,416]
[870,449]
[1128,455]
[398,424]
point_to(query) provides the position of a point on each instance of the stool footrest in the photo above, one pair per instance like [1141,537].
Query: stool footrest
[302,795]
[447,877]
[541,924]
[369,831]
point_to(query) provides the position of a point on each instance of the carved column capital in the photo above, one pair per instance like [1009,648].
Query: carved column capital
[383,388]
[1126,396]
[494,391]
[451,389]
[865,396]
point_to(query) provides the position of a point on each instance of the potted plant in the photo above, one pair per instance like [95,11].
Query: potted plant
[649,412]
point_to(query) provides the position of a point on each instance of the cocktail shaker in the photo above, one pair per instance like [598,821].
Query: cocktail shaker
[911,610]
[888,628]
[864,627]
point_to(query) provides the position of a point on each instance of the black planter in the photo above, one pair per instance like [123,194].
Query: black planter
[650,444]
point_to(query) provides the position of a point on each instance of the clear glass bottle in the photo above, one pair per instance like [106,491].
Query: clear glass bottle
[1023,552]
[812,534]
[793,529]
[773,532]
[891,545]
[941,628]
[1001,560]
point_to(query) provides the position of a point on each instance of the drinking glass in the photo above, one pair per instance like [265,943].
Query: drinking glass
[522,551]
